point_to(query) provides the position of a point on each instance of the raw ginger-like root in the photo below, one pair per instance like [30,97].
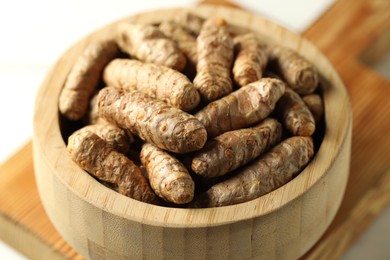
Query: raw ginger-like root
[242,108]
[251,59]
[84,78]
[191,22]
[156,81]
[92,117]
[147,43]
[299,74]
[168,177]
[184,40]
[114,136]
[215,57]
[294,114]
[153,120]
[265,174]
[233,149]
[98,158]
[315,105]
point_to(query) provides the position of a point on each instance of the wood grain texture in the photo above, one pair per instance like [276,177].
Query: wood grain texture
[23,222]
[353,29]
[334,33]
[343,233]
[284,224]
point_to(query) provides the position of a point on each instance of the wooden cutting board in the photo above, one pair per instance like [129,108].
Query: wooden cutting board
[354,35]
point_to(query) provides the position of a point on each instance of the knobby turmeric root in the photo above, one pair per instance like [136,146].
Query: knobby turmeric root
[230,151]
[215,57]
[184,40]
[251,59]
[147,43]
[95,156]
[299,74]
[242,108]
[315,105]
[294,114]
[154,80]
[152,120]
[233,149]
[191,22]
[114,136]
[92,116]
[270,171]
[84,77]
[168,177]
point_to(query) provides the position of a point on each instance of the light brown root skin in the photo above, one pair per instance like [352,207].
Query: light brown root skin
[114,136]
[315,104]
[152,120]
[242,108]
[84,77]
[215,57]
[167,176]
[147,43]
[251,59]
[92,154]
[191,22]
[295,115]
[270,171]
[233,149]
[92,116]
[184,40]
[156,81]
[300,74]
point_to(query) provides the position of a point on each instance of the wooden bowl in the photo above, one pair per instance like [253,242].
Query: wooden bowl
[284,224]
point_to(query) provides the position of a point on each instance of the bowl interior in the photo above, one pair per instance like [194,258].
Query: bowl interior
[50,131]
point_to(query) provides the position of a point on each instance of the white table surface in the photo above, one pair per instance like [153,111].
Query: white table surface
[35,33]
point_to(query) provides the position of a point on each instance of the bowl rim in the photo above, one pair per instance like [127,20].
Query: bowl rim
[47,128]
